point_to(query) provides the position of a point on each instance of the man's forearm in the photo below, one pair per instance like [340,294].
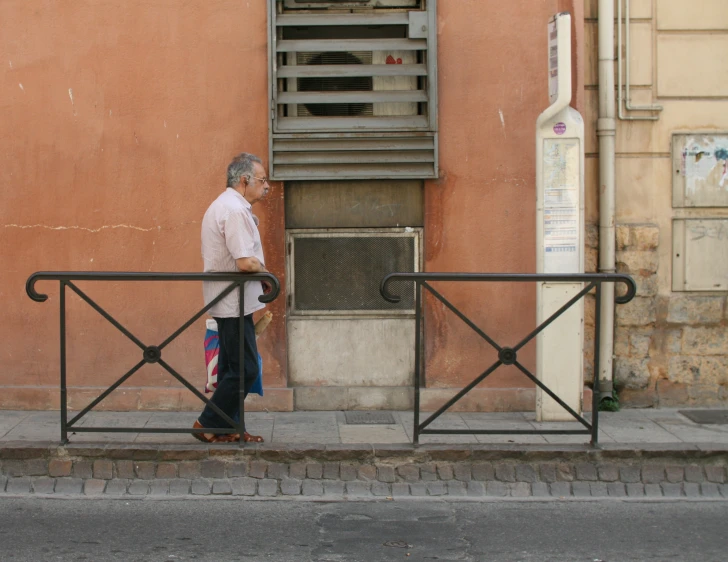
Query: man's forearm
[250,265]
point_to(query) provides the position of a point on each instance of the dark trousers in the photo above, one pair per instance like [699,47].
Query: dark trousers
[227,394]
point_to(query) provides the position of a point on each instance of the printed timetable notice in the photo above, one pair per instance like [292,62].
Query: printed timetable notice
[561,206]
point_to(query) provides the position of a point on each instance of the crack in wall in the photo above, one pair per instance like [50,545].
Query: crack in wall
[73,227]
[105,227]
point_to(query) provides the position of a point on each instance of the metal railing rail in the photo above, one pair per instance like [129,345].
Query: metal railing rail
[506,355]
[150,353]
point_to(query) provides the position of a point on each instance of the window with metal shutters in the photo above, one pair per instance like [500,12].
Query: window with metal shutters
[353,89]
[339,272]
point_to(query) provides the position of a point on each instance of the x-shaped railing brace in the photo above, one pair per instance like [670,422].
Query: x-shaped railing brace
[507,355]
[150,353]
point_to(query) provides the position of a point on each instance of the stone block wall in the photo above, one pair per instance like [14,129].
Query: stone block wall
[591,265]
[670,346]
[670,349]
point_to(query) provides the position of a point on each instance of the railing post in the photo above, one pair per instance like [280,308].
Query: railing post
[64,395]
[595,386]
[418,326]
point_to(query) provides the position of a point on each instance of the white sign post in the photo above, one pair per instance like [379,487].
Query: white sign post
[560,233]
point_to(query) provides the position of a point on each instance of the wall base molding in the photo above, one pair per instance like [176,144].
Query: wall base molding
[129,399]
[312,398]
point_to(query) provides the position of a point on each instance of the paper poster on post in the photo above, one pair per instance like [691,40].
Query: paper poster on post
[561,180]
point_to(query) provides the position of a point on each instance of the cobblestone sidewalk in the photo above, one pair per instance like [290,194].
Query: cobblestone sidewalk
[317,455]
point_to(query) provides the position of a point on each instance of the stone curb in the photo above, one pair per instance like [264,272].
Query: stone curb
[247,488]
[23,450]
[389,471]
[389,465]
[365,471]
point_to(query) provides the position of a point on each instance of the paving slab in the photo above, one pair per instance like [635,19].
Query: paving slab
[11,419]
[642,430]
[305,427]
[109,419]
[479,421]
[693,432]
[373,434]
[165,420]
[444,421]
[521,439]
[496,416]
[35,426]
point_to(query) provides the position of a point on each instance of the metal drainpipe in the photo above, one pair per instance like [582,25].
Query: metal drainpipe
[606,131]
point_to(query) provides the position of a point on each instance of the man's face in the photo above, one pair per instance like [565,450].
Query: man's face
[258,186]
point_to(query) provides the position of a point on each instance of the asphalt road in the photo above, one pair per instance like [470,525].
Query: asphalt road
[51,529]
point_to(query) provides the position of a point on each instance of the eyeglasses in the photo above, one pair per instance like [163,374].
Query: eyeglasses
[263,179]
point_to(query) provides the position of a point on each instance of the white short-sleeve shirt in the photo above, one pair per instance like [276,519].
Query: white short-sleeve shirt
[229,232]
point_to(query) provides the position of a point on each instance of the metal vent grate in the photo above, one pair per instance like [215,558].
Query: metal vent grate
[341,273]
[355,89]
[334,84]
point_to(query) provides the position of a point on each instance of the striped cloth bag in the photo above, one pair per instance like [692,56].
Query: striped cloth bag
[212,350]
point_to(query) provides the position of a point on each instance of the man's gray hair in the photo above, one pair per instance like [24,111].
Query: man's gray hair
[242,165]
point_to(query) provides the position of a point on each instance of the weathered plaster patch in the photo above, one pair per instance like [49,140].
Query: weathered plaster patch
[73,105]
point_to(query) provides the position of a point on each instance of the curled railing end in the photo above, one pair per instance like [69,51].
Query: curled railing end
[275,288]
[30,288]
[631,289]
[385,293]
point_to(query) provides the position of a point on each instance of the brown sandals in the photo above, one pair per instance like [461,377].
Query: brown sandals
[225,437]
[247,438]
[213,437]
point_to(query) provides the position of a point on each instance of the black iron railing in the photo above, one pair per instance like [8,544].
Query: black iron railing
[150,353]
[506,355]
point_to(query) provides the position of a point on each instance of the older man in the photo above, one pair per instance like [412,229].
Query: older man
[231,242]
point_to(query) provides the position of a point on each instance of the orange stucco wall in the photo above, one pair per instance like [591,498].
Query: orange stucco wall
[481,212]
[118,120]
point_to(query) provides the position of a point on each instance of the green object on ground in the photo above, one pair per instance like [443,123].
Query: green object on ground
[609,404]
